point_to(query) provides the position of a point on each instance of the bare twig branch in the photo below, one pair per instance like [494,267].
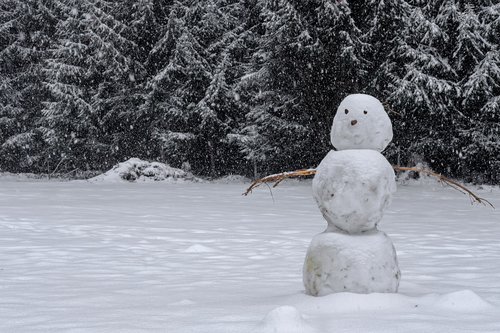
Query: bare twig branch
[279,177]
[389,109]
[271,191]
[57,167]
[450,182]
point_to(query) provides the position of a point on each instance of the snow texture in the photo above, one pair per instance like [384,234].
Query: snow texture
[360,263]
[284,319]
[353,188]
[136,169]
[123,257]
[361,123]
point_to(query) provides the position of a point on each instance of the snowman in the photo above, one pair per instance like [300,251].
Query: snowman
[353,186]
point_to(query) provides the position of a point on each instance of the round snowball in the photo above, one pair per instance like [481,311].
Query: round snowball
[361,123]
[352,189]
[362,263]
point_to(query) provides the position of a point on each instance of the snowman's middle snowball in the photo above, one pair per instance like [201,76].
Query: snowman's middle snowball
[352,189]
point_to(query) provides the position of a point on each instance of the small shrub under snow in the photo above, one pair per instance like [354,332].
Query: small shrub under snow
[136,169]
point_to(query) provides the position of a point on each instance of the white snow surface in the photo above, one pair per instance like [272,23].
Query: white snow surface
[199,257]
[361,123]
[353,188]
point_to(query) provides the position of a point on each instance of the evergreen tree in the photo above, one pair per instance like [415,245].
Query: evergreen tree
[177,87]
[244,86]
[306,63]
[274,115]
[25,28]
[383,37]
[85,75]
[421,94]
[10,110]
[191,97]
[478,61]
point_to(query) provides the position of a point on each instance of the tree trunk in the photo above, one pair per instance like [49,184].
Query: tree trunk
[211,152]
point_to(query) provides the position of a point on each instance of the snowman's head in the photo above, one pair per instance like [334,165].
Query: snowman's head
[361,123]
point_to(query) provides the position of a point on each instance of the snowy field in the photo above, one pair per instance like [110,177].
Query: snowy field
[199,257]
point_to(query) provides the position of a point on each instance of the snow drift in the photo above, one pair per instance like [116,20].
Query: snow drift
[136,169]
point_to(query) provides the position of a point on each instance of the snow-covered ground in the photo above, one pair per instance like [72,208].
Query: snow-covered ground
[199,257]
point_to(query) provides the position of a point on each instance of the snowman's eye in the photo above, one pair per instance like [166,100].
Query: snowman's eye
[365,112]
[346,111]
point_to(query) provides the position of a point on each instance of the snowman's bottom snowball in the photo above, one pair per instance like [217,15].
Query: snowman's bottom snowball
[359,263]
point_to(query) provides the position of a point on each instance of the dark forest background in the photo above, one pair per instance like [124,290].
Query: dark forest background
[245,86]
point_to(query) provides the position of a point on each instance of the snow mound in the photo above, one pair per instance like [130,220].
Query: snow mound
[462,301]
[284,319]
[459,301]
[198,248]
[183,302]
[136,169]
[232,179]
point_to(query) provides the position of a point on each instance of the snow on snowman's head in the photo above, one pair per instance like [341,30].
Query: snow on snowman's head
[361,123]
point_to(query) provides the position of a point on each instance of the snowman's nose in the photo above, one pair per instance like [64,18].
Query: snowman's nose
[354,122]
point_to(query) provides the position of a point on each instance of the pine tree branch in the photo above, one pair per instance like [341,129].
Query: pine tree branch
[279,177]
